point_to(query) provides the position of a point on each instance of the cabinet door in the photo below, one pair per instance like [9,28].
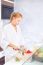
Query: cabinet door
[6,11]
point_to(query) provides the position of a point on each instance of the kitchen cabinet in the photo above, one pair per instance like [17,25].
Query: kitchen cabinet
[2,57]
[7,7]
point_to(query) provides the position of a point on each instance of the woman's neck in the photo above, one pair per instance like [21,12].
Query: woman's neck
[15,27]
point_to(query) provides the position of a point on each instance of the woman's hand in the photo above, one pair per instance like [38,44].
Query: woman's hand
[14,47]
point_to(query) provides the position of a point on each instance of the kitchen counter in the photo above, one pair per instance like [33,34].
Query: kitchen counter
[12,62]
[31,62]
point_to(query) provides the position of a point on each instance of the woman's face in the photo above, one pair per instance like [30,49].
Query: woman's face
[16,21]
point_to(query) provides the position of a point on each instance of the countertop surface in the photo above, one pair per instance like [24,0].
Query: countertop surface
[12,62]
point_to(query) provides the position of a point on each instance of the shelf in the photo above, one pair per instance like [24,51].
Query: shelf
[8,3]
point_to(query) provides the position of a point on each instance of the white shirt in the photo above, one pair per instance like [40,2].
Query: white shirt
[11,36]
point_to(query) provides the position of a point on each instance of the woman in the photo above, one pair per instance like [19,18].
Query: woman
[12,37]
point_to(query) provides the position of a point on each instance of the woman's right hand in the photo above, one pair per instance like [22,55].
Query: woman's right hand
[14,47]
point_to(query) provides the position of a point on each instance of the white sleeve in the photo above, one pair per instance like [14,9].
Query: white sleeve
[4,39]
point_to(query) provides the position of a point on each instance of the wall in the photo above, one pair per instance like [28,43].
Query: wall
[33,18]
[32,23]
[1,24]
[0,9]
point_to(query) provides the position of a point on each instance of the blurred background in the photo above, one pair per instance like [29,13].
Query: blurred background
[32,23]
